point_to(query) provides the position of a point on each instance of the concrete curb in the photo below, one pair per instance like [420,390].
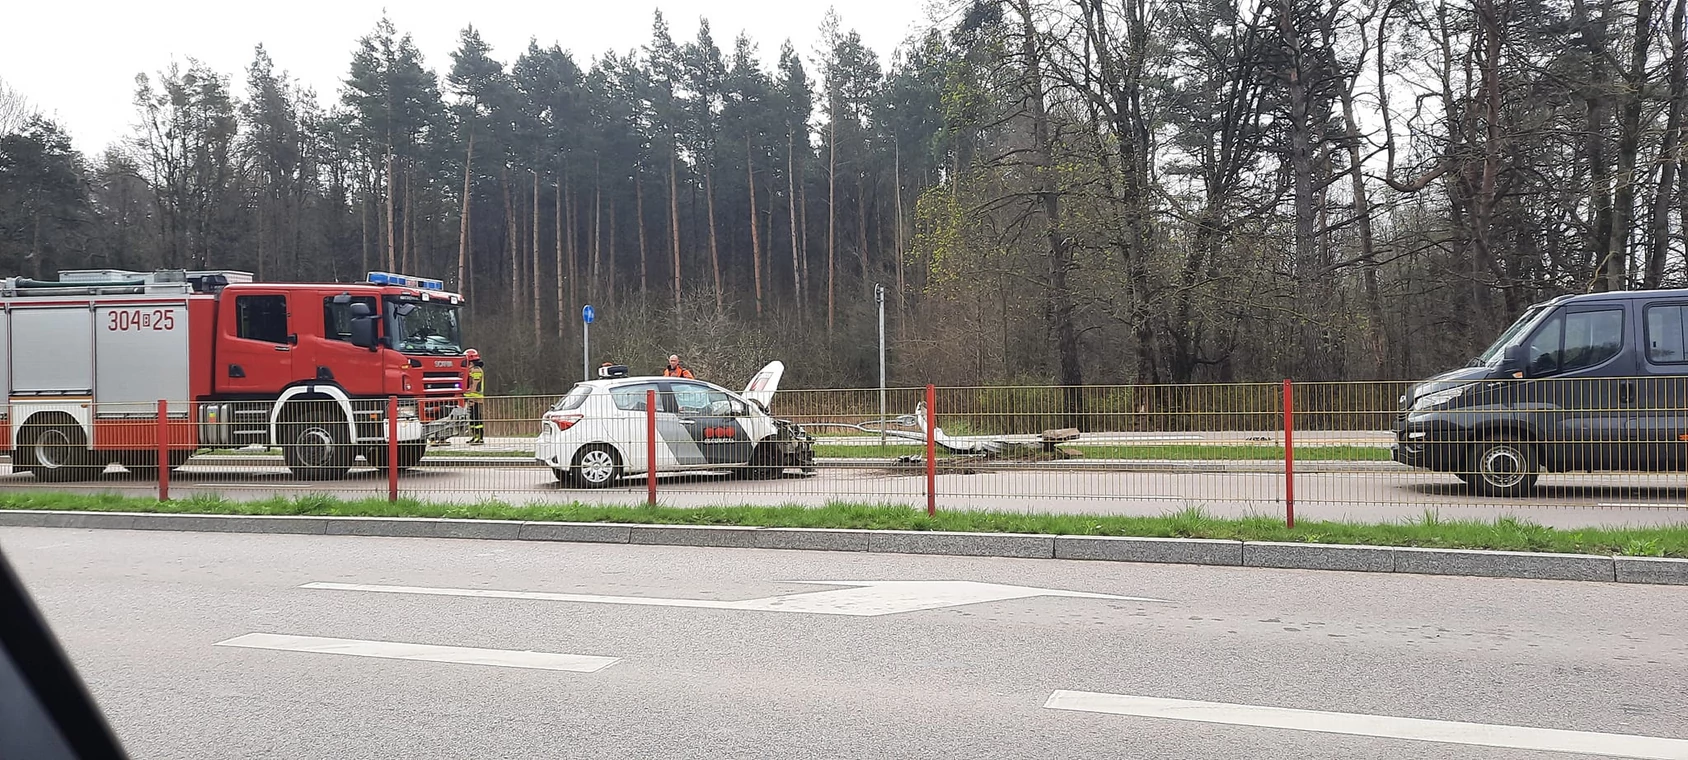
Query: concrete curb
[1263,554]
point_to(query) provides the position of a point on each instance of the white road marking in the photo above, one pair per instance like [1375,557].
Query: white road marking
[1357,724]
[395,650]
[863,599]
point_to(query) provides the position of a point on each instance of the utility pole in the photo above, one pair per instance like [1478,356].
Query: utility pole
[879,297]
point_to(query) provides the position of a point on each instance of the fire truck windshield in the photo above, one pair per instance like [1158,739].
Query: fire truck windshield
[428,328]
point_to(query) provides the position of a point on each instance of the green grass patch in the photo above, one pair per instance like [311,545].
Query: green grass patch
[1506,533]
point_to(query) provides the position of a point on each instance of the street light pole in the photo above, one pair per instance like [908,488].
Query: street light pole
[879,297]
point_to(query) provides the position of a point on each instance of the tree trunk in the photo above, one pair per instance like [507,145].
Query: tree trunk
[674,221]
[597,231]
[791,210]
[639,208]
[573,247]
[1658,238]
[831,212]
[1629,147]
[408,255]
[714,252]
[463,221]
[533,281]
[755,240]
[609,257]
[512,246]
[902,282]
[1378,347]
[391,264]
[861,226]
[803,239]
[562,304]
[365,207]
[1061,263]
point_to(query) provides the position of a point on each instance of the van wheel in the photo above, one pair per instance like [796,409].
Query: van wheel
[1502,467]
[315,446]
[60,453]
[596,466]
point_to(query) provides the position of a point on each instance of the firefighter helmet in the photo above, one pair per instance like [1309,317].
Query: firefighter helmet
[472,355]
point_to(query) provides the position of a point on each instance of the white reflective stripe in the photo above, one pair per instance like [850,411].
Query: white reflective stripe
[395,650]
[1359,724]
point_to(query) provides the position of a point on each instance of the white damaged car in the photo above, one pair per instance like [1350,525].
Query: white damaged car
[597,433]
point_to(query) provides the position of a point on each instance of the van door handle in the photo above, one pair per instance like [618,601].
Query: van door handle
[283,348]
[1626,392]
[688,422]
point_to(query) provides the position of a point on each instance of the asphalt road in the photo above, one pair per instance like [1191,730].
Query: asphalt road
[1374,491]
[142,615]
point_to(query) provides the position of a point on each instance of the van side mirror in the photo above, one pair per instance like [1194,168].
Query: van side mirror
[1514,361]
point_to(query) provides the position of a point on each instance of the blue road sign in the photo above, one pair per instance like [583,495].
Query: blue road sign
[586,314]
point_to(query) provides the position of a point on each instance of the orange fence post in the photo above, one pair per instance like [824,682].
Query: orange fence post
[1289,453]
[163,450]
[650,447]
[931,451]
[392,448]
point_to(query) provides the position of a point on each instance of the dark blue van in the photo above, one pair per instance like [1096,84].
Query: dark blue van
[1593,382]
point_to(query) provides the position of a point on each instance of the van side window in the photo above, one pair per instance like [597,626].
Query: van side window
[1664,335]
[1592,337]
[1576,341]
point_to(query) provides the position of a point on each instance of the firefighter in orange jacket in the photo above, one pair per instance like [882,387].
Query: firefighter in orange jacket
[675,370]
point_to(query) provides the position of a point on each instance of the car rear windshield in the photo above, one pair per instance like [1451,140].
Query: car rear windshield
[576,397]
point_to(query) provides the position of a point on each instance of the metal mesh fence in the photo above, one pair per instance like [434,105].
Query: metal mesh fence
[1572,451]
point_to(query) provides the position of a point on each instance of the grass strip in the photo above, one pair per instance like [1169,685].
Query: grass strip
[1505,533]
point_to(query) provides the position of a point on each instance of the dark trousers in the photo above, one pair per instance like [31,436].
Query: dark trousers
[477,428]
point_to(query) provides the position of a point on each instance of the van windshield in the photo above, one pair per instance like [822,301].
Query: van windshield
[1491,356]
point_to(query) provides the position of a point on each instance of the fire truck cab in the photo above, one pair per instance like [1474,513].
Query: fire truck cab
[306,367]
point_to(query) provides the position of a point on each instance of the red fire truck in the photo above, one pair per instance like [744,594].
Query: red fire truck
[307,367]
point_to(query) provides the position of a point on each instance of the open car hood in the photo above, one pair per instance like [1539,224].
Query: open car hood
[761,387]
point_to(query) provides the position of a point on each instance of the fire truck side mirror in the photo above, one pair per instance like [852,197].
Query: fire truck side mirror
[363,327]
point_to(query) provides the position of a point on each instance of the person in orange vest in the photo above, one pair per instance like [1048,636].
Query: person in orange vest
[674,369]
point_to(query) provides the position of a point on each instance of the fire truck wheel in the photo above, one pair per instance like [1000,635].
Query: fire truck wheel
[315,446]
[61,453]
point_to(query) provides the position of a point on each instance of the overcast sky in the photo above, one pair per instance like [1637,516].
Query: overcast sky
[77,61]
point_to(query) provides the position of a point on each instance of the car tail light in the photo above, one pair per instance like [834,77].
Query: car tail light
[563,421]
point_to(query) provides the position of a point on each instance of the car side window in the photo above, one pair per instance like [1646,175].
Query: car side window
[1665,344]
[1591,337]
[690,399]
[631,398]
[699,399]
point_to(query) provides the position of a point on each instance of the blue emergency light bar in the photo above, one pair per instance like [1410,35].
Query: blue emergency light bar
[406,281]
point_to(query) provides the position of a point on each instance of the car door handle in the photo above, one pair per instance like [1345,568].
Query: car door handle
[283,348]
[688,422]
